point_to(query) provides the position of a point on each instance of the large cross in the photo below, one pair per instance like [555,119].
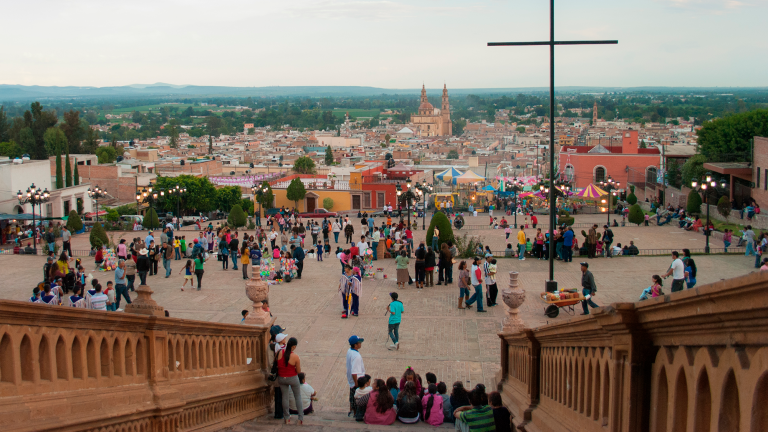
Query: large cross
[552,284]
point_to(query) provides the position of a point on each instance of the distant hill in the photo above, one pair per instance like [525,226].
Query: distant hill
[12,92]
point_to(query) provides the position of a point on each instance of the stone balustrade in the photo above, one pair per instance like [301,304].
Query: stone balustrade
[696,360]
[81,370]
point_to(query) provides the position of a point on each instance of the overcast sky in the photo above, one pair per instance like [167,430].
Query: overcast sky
[381,43]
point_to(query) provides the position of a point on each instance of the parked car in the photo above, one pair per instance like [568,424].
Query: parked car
[131,219]
[319,213]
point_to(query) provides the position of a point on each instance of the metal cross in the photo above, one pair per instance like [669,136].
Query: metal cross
[552,284]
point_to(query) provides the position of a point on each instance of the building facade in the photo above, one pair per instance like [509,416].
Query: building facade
[431,121]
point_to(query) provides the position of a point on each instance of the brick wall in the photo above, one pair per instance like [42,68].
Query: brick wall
[760,172]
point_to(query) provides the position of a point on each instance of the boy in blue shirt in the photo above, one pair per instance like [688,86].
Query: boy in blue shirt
[319,247]
[394,310]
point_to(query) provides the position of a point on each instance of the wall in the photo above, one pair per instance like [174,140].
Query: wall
[71,369]
[341,199]
[615,165]
[692,360]
[760,194]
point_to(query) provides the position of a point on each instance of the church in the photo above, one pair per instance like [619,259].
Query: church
[431,121]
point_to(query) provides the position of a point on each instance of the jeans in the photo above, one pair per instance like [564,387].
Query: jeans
[608,249]
[130,278]
[199,274]
[726,244]
[567,253]
[233,255]
[477,297]
[559,250]
[225,260]
[589,302]
[167,265]
[293,384]
[299,268]
[491,294]
[143,277]
[463,292]
[420,271]
[177,253]
[336,237]
[758,258]
[394,332]
[677,285]
[355,304]
[121,290]
[375,249]
[434,243]
[750,248]
[521,251]
[449,273]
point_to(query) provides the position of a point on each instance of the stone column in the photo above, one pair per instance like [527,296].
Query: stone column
[513,297]
[257,291]
[144,304]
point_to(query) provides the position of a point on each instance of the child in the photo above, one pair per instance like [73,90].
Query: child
[362,393]
[177,248]
[244,313]
[308,394]
[433,406]
[245,259]
[392,386]
[656,287]
[507,231]
[319,252]
[529,245]
[442,390]
[36,297]
[75,300]
[110,292]
[501,415]
[276,253]
[492,290]
[327,248]
[183,245]
[187,275]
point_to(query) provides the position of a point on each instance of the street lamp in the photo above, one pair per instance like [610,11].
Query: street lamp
[703,187]
[95,194]
[259,191]
[34,196]
[177,191]
[424,190]
[516,186]
[610,186]
[406,197]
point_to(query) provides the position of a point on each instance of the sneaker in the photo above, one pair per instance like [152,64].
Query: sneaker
[391,347]
[397,345]
[344,315]
[482,310]
[522,259]
[182,287]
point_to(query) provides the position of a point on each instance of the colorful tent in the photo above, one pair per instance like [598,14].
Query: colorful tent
[449,175]
[488,188]
[591,192]
[525,194]
[469,177]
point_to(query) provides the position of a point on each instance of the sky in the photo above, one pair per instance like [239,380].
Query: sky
[382,43]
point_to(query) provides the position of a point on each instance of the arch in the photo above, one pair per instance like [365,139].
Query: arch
[27,364]
[730,413]
[6,359]
[231,358]
[44,355]
[662,399]
[222,358]
[569,172]
[596,393]
[680,410]
[141,357]
[581,387]
[104,358]
[606,397]
[117,364]
[61,359]
[759,401]
[187,355]
[599,174]
[128,357]
[77,358]
[702,408]
[209,354]
[90,357]
[193,363]
[650,174]
[179,356]
[171,357]
[201,354]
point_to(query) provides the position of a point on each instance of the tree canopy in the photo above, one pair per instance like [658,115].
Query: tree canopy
[304,165]
[227,197]
[453,154]
[266,199]
[201,194]
[106,154]
[731,135]
[236,217]
[328,156]
[296,191]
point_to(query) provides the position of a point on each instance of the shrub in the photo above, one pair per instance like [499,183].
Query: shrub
[237,217]
[328,203]
[636,215]
[74,223]
[631,199]
[98,236]
[724,206]
[444,225]
[150,219]
[251,224]
[694,203]
[568,220]
[466,245]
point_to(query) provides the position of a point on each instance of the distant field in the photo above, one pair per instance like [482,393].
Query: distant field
[156,107]
[339,112]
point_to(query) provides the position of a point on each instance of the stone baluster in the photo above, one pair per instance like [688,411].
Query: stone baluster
[513,297]
[144,304]
[257,291]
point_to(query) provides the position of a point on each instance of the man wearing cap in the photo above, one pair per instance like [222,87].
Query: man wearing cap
[588,288]
[394,311]
[355,369]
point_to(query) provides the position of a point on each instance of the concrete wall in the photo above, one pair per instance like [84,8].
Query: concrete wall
[760,169]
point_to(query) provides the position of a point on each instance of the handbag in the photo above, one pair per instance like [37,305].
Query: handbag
[273,372]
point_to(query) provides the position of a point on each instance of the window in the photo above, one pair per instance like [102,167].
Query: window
[599,174]
[380,199]
[758,178]
[650,175]
[367,200]
[569,172]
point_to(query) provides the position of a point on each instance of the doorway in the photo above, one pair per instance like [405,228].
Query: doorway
[356,202]
[311,204]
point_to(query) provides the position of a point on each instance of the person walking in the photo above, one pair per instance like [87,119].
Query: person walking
[402,269]
[143,266]
[188,272]
[66,238]
[130,270]
[224,253]
[588,288]
[521,243]
[607,240]
[167,252]
[749,239]
[298,255]
[592,241]
[394,311]
[489,271]
[288,370]
[677,271]
[464,281]
[154,257]
[348,231]
[121,289]
[355,369]
[568,245]
[476,277]
[336,229]
[199,261]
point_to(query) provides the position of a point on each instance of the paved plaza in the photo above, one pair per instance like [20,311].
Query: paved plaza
[457,345]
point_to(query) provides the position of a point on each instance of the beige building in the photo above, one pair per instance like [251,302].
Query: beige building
[431,121]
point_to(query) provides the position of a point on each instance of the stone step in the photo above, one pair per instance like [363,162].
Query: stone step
[325,421]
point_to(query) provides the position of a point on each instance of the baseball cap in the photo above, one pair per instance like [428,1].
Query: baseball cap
[280,337]
[195,241]
[354,340]
[488,254]
[585,264]
[393,295]
[275,330]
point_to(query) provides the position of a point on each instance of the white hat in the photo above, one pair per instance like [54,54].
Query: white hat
[143,251]
[280,337]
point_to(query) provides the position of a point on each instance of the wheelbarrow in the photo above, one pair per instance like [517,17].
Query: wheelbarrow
[553,306]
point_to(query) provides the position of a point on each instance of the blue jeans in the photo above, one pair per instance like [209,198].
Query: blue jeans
[434,243]
[726,244]
[567,253]
[121,291]
[233,255]
[589,302]
[177,253]
[355,304]
[375,247]
[167,266]
[463,292]
[559,250]
[750,249]
[758,258]
[336,237]
[477,297]
[394,332]
[521,251]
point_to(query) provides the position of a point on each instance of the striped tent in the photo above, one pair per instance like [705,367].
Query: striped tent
[469,177]
[449,175]
[591,192]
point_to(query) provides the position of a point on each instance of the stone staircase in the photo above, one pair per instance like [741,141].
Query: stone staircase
[326,421]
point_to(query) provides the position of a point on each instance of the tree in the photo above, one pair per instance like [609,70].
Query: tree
[37,121]
[387,138]
[67,170]
[112,215]
[444,225]
[693,169]
[328,203]
[724,206]
[636,215]
[631,198]
[200,197]
[732,134]
[247,205]
[74,223]
[266,198]
[642,144]
[55,142]
[5,131]
[11,149]
[329,156]
[693,205]
[673,173]
[72,130]
[304,165]
[173,134]
[76,175]
[453,154]
[458,127]
[237,217]
[91,141]
[296,191]
[106,154]
[520,129]
[98,236]
[59,178]
[150,219]
[227,197]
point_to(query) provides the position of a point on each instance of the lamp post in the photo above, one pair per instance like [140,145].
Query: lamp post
[95,194]
[703,188]
[516,186]
[424,189]
[610,186]
[34,196]
[406,197]
[258,192]
[177,192]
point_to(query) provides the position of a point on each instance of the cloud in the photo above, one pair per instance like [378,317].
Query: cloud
[711,6]
[369,10]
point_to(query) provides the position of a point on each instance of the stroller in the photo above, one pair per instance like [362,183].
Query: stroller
[69,281]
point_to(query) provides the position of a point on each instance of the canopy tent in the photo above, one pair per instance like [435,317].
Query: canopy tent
[469,177]
[449,175]
[591,192]
[525,194]
[489,188]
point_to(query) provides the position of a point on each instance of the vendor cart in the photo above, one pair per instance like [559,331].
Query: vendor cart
[553,306]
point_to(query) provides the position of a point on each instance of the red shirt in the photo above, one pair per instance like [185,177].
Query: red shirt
[354,251]
[408,234]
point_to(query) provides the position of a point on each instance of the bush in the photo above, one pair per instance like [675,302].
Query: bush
[568,220]
[694,203]
[631,199]
[237,217]
[74,223]
[251,224]
[636,215]
[724,206]
[328,203]
[98,236]
[444,225]
[150,219]
[466,245]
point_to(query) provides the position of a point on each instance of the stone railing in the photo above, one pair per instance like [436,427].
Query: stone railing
[82,370]
[696,360]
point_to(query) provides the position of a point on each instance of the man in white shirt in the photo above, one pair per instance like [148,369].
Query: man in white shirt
[476,278]
[355,368]
[307,393]
[362,245]
[677,270]
[385,210]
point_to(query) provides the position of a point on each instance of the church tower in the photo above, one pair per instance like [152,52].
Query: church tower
[445,111]
[594,115]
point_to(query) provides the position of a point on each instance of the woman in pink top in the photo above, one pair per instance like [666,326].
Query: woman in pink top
[122,251]
[379,410]
[433,406]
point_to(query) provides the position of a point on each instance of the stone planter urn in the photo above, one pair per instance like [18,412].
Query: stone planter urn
[514,297]
[144,304]
[257,291]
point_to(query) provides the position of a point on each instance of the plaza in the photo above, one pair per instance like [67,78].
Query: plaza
[456,345]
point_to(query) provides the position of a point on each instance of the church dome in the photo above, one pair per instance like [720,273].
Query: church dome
[426,106]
